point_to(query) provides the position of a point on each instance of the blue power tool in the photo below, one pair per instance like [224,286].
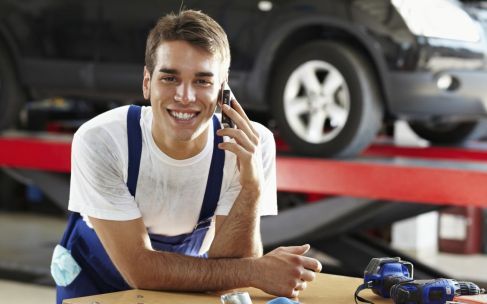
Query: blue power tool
[393,278]
[436,291]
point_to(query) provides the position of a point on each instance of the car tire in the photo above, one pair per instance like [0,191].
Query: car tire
[450,133]
[325,100]
[11,196]
[11,94]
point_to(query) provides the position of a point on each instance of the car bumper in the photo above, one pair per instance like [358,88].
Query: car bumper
[417,95]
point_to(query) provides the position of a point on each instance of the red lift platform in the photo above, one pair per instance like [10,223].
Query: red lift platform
[434,175]
[385,184]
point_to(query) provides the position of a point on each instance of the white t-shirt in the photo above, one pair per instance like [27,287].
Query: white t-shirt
[169,192]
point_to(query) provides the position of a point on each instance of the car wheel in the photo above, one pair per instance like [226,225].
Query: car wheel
[326,100]
[11,95]
[447,133]
[12,194]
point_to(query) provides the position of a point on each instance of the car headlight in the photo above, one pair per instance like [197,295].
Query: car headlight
[438,19]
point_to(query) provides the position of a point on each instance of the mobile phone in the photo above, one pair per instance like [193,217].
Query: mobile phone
[225,98]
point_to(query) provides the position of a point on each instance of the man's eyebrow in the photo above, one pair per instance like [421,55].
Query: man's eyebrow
[204,74]
[176,72]
[169,71]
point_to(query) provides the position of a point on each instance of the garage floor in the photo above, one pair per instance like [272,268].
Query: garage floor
[26,244]
[22,293]
[27,240]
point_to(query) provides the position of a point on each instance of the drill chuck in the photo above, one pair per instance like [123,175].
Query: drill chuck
[469,288]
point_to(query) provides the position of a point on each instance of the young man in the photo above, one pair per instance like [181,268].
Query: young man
[160,201]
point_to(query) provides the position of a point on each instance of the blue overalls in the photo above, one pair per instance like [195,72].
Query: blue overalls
[97,273]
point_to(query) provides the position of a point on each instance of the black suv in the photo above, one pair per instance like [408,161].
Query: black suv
[329,72]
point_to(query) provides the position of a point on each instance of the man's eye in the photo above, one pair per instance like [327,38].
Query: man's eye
[203,82]
[168,78]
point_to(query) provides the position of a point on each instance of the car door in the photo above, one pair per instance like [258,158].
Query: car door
[244,23]
[57,41]
[125,29]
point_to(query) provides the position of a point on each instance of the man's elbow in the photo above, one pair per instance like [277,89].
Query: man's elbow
[142,280]
[139,274]
[132,282]
[257,252]
[254,251]
[251,254]
[135,278]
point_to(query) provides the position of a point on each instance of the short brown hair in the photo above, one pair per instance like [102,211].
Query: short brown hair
[194,27]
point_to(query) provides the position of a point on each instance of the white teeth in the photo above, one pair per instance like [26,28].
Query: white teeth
[183,116]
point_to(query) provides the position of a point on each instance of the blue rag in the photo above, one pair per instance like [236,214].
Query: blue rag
[282,300]
[64,268]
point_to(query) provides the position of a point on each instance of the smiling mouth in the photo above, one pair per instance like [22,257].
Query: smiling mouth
[185,116]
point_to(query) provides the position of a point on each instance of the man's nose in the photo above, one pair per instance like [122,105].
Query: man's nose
[185,94]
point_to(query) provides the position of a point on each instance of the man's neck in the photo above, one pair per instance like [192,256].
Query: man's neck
[179,149]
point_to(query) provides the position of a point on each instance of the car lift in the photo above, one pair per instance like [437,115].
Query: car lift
[385,184]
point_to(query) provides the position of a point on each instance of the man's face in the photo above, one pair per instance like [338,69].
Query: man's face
[183,91]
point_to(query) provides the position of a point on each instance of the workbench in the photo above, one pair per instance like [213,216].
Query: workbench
[326,289]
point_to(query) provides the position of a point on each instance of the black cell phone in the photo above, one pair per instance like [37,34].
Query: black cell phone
[226,121]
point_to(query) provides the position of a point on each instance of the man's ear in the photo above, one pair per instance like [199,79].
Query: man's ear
[223,82]
[146,84]
[225,77]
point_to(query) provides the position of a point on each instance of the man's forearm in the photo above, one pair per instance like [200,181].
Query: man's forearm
[169,271]
[239,235]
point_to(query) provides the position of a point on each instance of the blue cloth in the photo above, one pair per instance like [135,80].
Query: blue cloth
[81,266]
[64,268]
[282,300]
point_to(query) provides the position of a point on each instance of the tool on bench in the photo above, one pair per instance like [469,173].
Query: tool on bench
[393,278]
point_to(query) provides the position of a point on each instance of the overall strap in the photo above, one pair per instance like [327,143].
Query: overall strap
[134,145]
[72,219]
[215,177]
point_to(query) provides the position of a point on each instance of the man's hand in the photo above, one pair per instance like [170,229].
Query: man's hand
[282,272]
[237,235]
[245,146]
[285,271]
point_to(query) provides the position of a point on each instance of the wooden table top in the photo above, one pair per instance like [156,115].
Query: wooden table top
[325,289]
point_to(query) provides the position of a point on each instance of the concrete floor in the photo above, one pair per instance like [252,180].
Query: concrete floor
[461,267]
[26,244]
[27,241]
[22,293]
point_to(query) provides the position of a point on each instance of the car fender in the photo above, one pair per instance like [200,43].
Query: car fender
[7,42]
[260,78]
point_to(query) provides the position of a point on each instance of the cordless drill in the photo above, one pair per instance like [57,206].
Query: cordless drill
[436,291]
[393,278]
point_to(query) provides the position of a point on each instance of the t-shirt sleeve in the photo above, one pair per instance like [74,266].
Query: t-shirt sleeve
[268,201]
[97,187]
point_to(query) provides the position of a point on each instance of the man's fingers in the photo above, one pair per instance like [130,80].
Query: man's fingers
[300,250]
[241,121]
[240,137]
[236,105]
[301,286]
[236,117]
[232,147]
[308,275]
[294,293]
[312,264]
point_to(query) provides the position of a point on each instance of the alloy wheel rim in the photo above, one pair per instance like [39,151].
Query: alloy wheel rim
[316,101]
